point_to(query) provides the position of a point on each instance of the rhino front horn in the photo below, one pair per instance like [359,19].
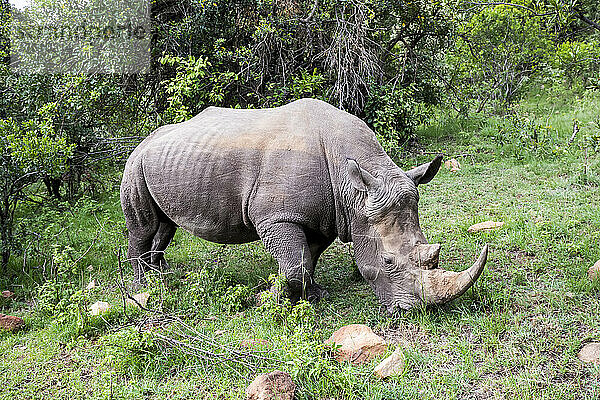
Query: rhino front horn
[437,286]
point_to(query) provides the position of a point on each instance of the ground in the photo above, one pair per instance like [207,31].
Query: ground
[515,334]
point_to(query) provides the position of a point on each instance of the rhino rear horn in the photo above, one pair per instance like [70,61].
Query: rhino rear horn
[437,286]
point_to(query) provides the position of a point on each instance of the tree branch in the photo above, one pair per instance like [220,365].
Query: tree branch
[585,19]
[310,15]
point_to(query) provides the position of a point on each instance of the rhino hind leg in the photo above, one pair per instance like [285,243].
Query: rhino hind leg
[142,218]
[288,244]
[138,253]
[161,240]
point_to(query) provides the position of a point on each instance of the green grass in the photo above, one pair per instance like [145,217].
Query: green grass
[516,334]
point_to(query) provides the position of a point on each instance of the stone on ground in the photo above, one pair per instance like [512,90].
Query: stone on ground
[358,343]
[590,353]
[99,307]
[452,165]
[485,226]
[141,298]
[10,323]
[594,271]
[393,365]
[277,385]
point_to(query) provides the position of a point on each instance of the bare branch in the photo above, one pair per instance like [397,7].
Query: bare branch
[310,16]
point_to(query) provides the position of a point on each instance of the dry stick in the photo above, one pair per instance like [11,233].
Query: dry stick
[575,132]
[311,14]
[229,354]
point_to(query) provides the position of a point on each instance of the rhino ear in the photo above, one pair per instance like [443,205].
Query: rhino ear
[425,172]
[361,180]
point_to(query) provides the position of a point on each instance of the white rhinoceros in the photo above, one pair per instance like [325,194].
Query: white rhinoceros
[295,177]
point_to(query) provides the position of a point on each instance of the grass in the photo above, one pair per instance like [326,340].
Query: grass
[516,334]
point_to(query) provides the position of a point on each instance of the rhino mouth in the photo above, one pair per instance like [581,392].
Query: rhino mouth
[438,286]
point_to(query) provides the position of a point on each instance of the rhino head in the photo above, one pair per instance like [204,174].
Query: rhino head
[390,249]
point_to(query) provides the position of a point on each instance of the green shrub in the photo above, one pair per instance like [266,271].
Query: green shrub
[520,137]
[237,298]
[578,62]
[392,112]
[130,351]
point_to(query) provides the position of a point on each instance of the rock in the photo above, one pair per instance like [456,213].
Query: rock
[277,385]
[91,285]
[358,343]
[11,323]
[219,332]
[590,353]
[254,344]
[7,294]
[594,271]
[141,298]
[99,307]
[393,365]
[485,226]
[452,165]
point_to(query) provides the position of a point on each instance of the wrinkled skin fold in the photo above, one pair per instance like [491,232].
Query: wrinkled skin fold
[295,177]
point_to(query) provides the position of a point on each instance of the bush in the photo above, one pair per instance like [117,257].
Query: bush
[130,351]
[496,52]
[520,137]
[578,62]
[392,112]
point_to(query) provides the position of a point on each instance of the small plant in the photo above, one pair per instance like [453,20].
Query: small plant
[237,297]
[273,303]
[521,137]
[130,351]
[302,313]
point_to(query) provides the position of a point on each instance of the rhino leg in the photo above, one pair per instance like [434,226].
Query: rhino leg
[288,244]
[142,218]
[138,253]
[162,238]
[317,247]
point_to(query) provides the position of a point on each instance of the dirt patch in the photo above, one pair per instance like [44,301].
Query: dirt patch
[521,257]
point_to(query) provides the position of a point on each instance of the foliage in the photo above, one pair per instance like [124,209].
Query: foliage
[578,62]
[30,151]
[392,112]
[278,309]
[196,85]
[130,351]
[497,51]
[521,137]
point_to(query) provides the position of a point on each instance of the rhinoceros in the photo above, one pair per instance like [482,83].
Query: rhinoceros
[295,177]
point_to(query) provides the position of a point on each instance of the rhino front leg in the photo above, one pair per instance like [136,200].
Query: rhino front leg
[317,246]
[287,242]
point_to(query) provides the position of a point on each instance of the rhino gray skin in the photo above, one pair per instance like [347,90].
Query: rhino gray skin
[296,177]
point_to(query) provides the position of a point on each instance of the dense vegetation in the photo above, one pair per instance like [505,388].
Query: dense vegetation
[510,89]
